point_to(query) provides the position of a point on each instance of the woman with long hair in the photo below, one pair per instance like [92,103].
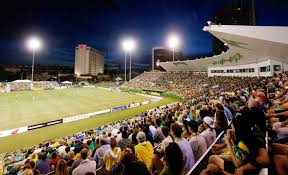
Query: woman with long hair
[173,160]
[247,153]
[61,168]
[220,121]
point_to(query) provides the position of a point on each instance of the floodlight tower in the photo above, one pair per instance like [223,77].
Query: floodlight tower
[128,46]
[173,43]
[33,44]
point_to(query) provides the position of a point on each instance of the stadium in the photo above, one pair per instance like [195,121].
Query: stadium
[219,115]
[183,98]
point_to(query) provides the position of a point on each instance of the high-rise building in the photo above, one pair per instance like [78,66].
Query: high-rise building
[88,61]
[162,54]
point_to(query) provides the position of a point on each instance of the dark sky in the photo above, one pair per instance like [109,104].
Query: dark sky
[62,24]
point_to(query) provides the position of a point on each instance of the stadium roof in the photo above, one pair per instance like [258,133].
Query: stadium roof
[247,44]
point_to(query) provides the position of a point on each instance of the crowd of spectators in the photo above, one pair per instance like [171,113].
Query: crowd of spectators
[170,140]
[189,84]
[28,85]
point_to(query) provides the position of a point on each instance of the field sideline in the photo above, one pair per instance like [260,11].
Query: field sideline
[34,137]
[22,108]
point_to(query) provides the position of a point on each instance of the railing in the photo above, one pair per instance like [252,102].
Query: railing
[205,154]
[263,171]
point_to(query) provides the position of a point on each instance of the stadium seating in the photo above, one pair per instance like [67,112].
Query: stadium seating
[256,107]
[27,85]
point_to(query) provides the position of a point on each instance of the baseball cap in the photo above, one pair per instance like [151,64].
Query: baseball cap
[209,121]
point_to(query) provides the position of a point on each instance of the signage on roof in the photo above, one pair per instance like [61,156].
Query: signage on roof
[233,58]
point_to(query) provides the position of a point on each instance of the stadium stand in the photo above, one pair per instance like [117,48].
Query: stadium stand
[220,127]
[27,85]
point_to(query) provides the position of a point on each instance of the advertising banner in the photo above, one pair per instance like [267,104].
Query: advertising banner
[41,125]
[13,131]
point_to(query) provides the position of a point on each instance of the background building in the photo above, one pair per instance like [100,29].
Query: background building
[88,61]
[162,54]
[238,12]
[112,69]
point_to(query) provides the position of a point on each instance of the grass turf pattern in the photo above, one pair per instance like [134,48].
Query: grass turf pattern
[34,137]
[22,108]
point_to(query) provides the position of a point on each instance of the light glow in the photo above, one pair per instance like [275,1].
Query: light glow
[129,45]
[34,43]
[173,41]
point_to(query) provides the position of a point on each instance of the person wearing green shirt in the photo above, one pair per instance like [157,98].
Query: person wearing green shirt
[92,144]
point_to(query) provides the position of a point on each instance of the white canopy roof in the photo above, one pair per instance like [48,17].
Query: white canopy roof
[118,79]
[247,44]
[22,81]
[66,82]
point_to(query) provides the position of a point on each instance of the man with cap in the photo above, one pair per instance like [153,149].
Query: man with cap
[209,133]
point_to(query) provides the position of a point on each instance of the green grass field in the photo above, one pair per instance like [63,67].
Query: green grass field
[34,137]
[24,108]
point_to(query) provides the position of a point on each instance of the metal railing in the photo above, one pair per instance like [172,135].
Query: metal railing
[263,171]
[205,154]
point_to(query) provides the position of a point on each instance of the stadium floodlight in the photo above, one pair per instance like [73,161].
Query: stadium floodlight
[33,44]
[173,43]
[128,46]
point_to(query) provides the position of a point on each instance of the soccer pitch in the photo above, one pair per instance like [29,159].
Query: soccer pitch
[22,108]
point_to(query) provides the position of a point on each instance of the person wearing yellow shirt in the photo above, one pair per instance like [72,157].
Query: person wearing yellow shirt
[112,155]
[34,157]
[144,150]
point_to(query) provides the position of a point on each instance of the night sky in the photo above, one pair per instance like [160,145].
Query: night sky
[62,24]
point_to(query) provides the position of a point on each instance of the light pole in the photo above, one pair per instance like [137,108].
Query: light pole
[33,64]
[173,43]
[33,44]
[125,67]
[128,46]
[130,66]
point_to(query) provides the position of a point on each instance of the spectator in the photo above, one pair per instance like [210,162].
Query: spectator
[144,150]
[43,164]
[168,139]
[112,155]
[54,159]
[184,145]
[131,166]
[173,160]
[209,133]
[27,172]
[93,144]
[245,154]
[186,133]
[86,166]
[124,142]
[220,122]
[158,135]
[62,168]
[280,158]
[98,157]
[197,141]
